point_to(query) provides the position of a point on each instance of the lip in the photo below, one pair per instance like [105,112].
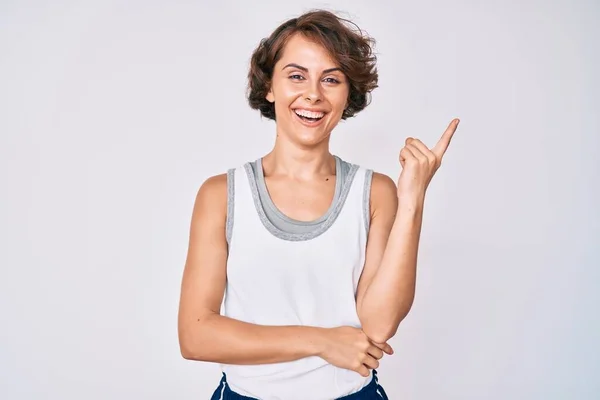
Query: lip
[308,123]
[311,110]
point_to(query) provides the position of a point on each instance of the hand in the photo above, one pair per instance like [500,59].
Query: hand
[419,164]
[349,348]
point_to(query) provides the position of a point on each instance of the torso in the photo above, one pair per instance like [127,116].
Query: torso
[282,270]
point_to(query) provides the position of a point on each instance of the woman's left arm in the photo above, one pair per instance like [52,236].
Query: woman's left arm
[386,289]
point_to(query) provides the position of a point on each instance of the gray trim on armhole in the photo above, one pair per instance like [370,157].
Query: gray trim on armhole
[230,203]
[367,198]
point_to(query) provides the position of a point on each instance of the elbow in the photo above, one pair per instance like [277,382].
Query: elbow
[188,350]
[195,340]
[191,347]
[381,330]
[378,334]
[194,352]
[186,354]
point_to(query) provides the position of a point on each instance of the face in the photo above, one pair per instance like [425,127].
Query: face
[310,92]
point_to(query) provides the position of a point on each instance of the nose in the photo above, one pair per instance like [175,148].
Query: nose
[313,92]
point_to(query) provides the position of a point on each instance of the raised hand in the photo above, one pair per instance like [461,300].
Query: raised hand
[419,163]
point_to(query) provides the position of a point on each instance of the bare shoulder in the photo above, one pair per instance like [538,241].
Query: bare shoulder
[214,186]
[384,194]
[212,197]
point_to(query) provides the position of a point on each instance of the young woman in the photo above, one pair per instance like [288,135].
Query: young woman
[313,256]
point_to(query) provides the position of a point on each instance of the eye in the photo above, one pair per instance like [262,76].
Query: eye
[331,80]
[296,77]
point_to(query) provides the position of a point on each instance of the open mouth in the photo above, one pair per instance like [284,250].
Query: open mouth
[310,117]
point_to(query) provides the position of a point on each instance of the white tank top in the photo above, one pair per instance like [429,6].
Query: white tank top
[284,278]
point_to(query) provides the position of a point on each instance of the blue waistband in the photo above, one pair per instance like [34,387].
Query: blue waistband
[372,391]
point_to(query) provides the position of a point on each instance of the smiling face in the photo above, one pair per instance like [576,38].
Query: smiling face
[309,91]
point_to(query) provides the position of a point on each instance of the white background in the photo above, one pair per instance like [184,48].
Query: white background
[112,114]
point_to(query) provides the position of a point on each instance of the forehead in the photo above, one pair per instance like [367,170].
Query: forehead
[306,52]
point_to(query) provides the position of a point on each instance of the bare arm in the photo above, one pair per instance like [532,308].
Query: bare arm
[203,333]
[387,286]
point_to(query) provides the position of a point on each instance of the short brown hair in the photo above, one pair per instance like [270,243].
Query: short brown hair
[346,44]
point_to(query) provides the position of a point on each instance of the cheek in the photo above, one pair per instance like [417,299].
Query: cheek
[287,89]
[338,96]
[340,100]
[285,95]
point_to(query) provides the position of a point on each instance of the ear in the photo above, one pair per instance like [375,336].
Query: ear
[270,98]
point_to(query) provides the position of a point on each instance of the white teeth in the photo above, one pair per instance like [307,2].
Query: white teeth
[309,114]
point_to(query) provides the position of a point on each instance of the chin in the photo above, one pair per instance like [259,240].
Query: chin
[309,139]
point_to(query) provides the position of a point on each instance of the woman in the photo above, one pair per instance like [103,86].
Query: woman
[315,257]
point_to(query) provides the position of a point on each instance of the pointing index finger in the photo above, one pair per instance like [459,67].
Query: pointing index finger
[442,145]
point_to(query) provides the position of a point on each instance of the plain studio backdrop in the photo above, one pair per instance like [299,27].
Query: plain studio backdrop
[112,114]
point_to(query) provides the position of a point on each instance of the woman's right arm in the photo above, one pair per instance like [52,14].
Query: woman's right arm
[205,335]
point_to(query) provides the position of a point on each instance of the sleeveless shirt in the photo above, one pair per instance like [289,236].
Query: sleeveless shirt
[278,277]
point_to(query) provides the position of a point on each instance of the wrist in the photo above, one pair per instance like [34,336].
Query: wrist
[413,202]
[317,341]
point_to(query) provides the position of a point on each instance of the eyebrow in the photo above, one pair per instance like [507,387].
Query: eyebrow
[292,65]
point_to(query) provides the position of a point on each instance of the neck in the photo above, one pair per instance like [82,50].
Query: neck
[303,162]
